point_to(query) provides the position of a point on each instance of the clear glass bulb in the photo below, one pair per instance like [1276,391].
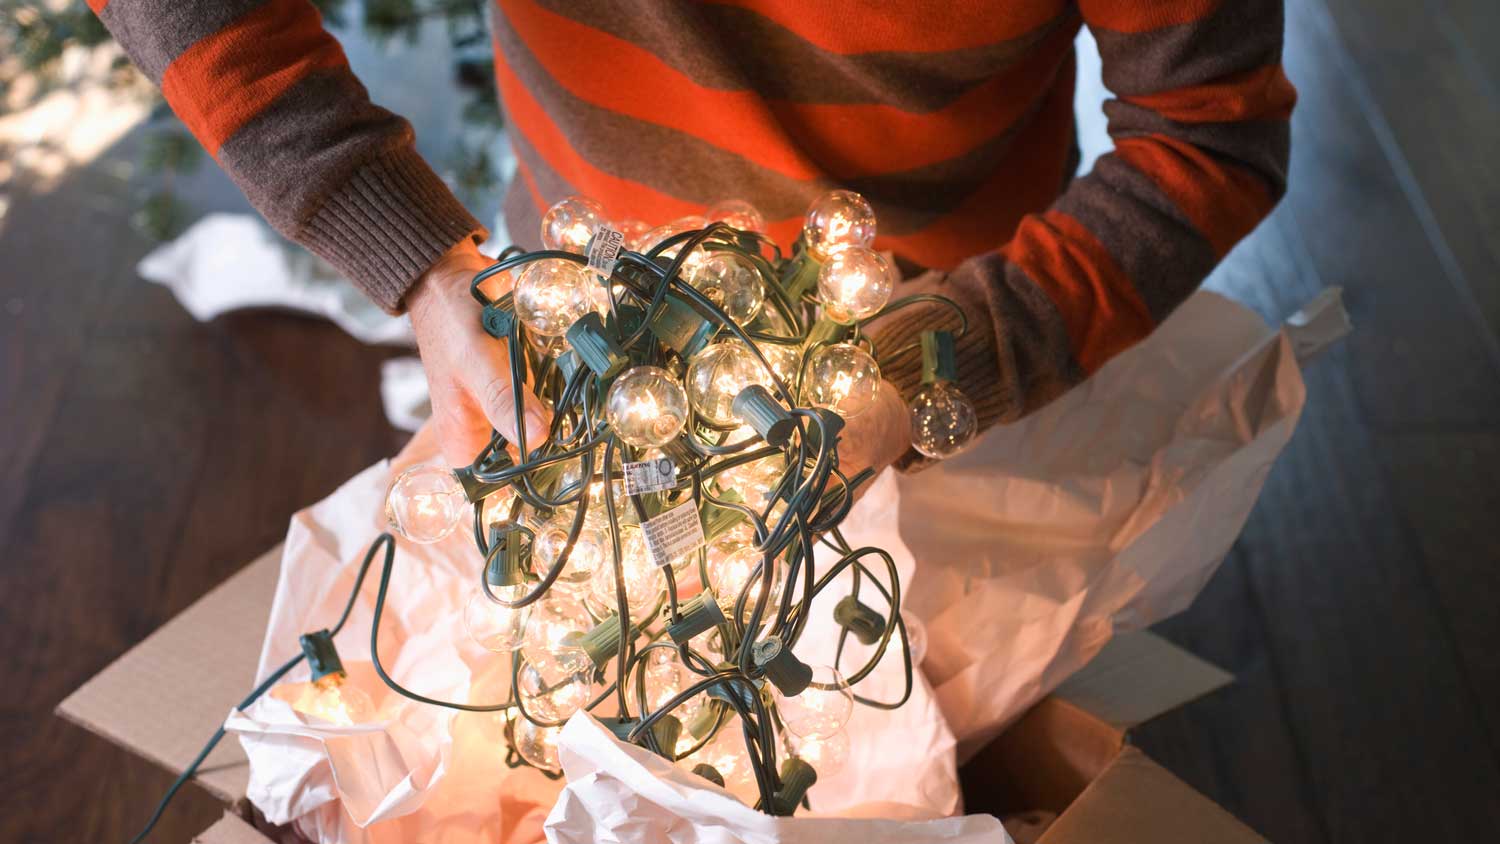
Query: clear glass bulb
[588,551]
[716,376]
[737,213]
[557,688]
[916,638]
[496,627]
[332,699]
[785,361]
[943,420]
[650,239]
[498,506]
[740,571]
[665,678]
[644,581]
[837,219]
[855,282]
[725,752]
[551,295]
[729,280]
[633,230]
[425,503]
[557,620]
[570,223]
[822,709]
[537,744]
[646,407]
[827,754]
[754,480]
[843,378]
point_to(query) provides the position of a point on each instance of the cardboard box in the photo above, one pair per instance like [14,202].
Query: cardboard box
[1068,757]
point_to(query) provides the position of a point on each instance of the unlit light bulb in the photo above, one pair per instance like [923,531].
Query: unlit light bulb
[425,503]
[588,553]
[496,627]
[737,213]
[557,688]
[837,219]
[731,282]
[827,754]
[646,407]
[551,295]
[716,376]
[854,283]
[822,709]
[537,744]
[943,420]
[842,378]
[570,223]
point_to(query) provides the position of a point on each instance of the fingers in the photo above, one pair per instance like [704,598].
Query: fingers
[497,402]
[462,430]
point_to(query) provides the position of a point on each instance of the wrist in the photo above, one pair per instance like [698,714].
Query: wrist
[451,273]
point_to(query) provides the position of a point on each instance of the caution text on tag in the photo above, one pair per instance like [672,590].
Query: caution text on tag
[673,533]
[650,476]
[604,250]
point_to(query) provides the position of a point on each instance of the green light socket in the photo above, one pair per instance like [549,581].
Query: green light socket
[603,642]
[497,321]
[796,778]
[681,327]
[595,347]
[939,360]
[697,614]
[665,731]
[786,672]
[864,622]
[826,331]
[506,566]
[764,413]
[476,490]
[710,773]
[322,656]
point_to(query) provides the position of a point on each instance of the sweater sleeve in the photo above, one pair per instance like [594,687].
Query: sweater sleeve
[1200,130]
[268,92]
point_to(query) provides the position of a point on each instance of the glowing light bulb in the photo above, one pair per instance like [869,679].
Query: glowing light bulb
[738,214]
[716,376]
[822,709]
[854,283]
[496,627]
[633,230]
[730,281]
[754,481]
[665,678]
[740,572]
[570,223]
[726,753]
[556,689]
[837,219]
[557,620]
[498,506]
[646,407]
[843,378]
[551,295]
[827,754]
[943,420]
[588,553]
[644,581]
[537,744]
[425,503]
[332,699]
[785,361]
[650,239]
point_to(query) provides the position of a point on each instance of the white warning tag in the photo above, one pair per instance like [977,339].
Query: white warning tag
[673,533]
[650,476]
[604,250]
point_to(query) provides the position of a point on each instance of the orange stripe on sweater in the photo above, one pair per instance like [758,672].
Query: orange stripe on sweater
[1260,94]
[797,140]
[1223,201]
[858,26]
[622,197]
[97,6]
[1144,15]
[1100,308]
[220,83]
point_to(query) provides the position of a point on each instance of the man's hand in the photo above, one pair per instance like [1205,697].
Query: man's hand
[878,437]
[468,371]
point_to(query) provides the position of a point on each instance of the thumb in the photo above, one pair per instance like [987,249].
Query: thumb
[496,396]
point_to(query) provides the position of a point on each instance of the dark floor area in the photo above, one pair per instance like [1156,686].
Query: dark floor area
[1360,611]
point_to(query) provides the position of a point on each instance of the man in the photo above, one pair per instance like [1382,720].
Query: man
[953,117]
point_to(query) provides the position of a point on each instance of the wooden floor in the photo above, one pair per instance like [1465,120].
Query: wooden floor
[1360,611]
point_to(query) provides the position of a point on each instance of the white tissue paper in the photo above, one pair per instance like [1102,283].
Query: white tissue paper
[1107,510]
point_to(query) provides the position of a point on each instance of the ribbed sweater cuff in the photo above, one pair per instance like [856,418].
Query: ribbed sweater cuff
[388,224]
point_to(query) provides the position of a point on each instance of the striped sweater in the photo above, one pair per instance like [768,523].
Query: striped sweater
[953,117]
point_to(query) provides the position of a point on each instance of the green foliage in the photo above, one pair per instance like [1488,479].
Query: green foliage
[171,151]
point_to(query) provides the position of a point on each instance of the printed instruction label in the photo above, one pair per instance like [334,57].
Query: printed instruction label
[650,476]
[673,533]
[604,250]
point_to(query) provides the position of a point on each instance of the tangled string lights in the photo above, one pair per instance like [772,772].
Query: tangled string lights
[652,560]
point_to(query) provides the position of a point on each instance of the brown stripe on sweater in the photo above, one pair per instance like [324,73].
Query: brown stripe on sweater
[699,172]
[1239,34]
[154,32]
[1149,238]
[1263,146]
[307,142]
[523,220]
[782,65]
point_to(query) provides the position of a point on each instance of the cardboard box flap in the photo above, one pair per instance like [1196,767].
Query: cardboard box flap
[231,830]
[1136,800]
[167,695]
[1138,676]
